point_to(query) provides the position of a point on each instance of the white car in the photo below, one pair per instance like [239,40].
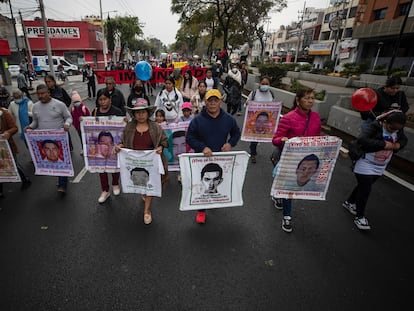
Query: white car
[14,70]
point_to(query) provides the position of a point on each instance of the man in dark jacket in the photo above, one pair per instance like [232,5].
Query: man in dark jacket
[117,98]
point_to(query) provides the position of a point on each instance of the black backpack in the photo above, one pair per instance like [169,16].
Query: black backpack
[355,151]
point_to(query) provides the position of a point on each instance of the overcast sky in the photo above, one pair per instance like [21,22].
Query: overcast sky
[157,19]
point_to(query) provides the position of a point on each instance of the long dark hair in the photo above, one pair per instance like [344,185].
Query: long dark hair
[190,79]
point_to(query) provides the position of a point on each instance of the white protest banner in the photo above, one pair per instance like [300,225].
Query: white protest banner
[305,167]
[260,121]
[141,171]
[8,167]
[176,133]
[212,182]
[50,152]
[100,135]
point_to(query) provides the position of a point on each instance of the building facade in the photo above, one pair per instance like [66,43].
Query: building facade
[78,41]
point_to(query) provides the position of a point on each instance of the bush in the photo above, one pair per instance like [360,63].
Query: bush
[354,68]
[329,64]
[380,71]
[295,85]
[320,71]
[255,63]
[306,67]
[274,71]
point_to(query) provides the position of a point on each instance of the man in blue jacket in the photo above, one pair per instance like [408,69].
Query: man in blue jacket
[213,130]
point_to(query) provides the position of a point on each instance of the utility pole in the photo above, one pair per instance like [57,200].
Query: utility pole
[103,34]
[14,27]
[47,42]
[26,40]
[300,32]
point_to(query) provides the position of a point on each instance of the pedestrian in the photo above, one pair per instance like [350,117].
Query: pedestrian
[212,130]
[8,128]
[106,141]
[380,140]
[78,110]
[211,82]
[187,109]
[189,86]
[199,99]
[51,114]
[21,110]
[262,94]
[4,96]
[217,70]
[233,88]
[170,100]
[137,91]
[91,83]
[389,97]
[22,83]
[141,133]
[117,98]
[300,121]
[160,117]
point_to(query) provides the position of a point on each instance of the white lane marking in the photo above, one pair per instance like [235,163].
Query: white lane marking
[79,177]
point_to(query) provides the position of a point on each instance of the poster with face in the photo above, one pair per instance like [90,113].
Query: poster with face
[141,171]
[260,121]
[50,152]
[100,135]
[212,182]
[305,167]
[8,168]
[176,133]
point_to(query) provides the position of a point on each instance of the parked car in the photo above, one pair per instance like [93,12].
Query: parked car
[14,70]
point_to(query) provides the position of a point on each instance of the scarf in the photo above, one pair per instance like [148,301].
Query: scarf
[23,115]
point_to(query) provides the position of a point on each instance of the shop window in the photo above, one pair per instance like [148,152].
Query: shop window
[404,8]
[352,12]
[380,14]
[327,18]
[325,35]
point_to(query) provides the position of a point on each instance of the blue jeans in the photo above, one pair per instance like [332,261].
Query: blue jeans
[287,207]
[63,181]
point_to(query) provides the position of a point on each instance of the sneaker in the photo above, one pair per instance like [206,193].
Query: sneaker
[362,223]
[116,189]
[277,202]
[351,207]
[287,224]
[61,190]
[253,158]
[104,196]
[201,217]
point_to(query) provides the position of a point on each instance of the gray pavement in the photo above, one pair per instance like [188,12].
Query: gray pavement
[72,253]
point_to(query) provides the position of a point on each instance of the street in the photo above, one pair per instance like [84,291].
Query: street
[72,253]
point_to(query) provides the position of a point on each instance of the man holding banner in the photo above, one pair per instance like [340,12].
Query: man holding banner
[213,130]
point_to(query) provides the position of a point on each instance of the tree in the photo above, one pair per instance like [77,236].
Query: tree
[123,30]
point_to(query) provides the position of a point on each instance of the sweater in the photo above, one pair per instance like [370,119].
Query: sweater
[52,115]
[293,124]
[206,131]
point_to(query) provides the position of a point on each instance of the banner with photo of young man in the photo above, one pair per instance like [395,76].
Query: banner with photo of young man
[140,171]
[100,135]
[50,152]
[8,167]
[212,182]
[176,133]
[260,121]
[305,167]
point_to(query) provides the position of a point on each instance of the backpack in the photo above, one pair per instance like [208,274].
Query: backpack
[355,151]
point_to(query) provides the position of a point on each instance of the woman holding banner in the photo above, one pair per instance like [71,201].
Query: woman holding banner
[300,121]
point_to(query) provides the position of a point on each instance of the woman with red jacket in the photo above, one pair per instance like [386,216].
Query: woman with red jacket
[300,121]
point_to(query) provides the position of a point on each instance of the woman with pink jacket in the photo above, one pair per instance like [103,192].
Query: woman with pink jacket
[300,121]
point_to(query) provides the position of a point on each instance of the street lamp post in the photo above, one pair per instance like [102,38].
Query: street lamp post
[380,44]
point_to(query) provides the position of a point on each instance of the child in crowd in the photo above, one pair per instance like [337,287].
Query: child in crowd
[78,110]
[187,109]
[160,117]
[379,141]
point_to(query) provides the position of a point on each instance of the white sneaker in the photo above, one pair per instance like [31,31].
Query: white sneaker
[104,196]
[362,223]
[351,207]
[116,190]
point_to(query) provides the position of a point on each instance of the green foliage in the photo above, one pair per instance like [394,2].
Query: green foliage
[380,70]
[401,73]
[295,85]
[306,67]
[329,64]
[274,71]
[320,95]
[320,71]
[354,68]
[255,63]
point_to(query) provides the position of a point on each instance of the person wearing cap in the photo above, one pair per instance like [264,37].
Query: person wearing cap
[106,109]
[78,110]
[212,130]
[217,69]
[141,133]
[187,109]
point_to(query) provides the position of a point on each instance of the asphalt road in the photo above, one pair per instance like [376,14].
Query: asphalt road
[72,253]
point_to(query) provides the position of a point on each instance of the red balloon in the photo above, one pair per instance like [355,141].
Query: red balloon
[364,99]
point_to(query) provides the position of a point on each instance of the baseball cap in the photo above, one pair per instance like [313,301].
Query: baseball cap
[187,105]
[213,92]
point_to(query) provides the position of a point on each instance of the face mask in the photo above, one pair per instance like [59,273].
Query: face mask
[264,88]
[18,100]
[234,70]
[138,89]
[77,104]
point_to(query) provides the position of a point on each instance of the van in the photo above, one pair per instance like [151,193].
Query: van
[41,65]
